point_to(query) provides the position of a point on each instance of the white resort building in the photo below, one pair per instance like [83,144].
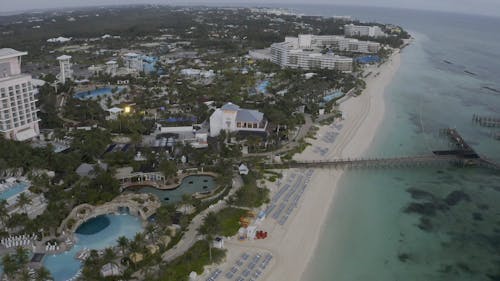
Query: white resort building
[363,30]
[133,62]
[304,51]
[232,118]
[111,68]
[18,112]
[65,71]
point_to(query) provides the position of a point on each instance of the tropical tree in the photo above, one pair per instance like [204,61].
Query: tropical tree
[42,274]
[123,243]
[168,168]
[210,225]
[163,216]
[10,265]
[109,255]
[23,200]
[150,230]
[22,256]
[4,214]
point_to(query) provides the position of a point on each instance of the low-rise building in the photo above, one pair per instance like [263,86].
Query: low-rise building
[232,118]
[363,30]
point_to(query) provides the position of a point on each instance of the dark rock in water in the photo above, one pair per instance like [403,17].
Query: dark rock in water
[403,257]
[483,207]
[464,267]
[420,194]
[494,277]
[427,209]
[425,224]
[440,172]
[455,197]
[446,268]
[166,198]
[477,216]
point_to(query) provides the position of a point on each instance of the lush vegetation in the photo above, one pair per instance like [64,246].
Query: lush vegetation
[226,222]
[250,195]
[194,259]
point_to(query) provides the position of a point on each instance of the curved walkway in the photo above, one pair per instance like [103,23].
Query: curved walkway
[191,235]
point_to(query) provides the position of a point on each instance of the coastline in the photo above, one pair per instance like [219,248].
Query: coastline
[294,243]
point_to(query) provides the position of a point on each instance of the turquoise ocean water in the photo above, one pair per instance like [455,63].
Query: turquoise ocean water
[455,235]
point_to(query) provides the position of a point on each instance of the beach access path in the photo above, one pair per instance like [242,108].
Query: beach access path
[190,236]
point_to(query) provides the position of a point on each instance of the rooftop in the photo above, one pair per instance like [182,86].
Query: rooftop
[230,106]
[64,57]
[249,115]
[6,53]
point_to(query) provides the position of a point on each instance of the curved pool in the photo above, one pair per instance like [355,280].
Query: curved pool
[189,185]
[97,233]
[85,95]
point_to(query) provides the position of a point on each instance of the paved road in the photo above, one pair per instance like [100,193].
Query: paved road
[191,235]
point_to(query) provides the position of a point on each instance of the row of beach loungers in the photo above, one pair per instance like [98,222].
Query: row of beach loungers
[288,196]
[19,240]
[251,268]
[11,173]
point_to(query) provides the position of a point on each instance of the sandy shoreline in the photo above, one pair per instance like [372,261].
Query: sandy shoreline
[293,243]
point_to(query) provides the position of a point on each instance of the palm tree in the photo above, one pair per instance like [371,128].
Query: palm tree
[22,256]
[139,239]
[42,274]
[109,255]
[4,214]
[123,243]
[23,200]
[10,265]
[150,230]
[210,238]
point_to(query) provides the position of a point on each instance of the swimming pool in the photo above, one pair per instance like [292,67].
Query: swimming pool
[13,191]
[103,232]
[189,185]
[262,87]
[85,95]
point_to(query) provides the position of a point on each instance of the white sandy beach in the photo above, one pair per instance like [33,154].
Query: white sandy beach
[293,244]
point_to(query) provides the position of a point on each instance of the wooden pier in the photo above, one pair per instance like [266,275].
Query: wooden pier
[486,121]
[461,155]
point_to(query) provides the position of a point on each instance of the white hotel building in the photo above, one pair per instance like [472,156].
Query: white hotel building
[304,51]
[338,43]
[363,30]
[18,112]
[291,54]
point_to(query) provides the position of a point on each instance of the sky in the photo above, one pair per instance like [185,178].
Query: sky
[484,7]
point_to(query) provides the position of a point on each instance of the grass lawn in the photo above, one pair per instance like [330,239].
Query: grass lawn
[229,220]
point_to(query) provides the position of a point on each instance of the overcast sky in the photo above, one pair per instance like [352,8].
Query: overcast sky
[486,7]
